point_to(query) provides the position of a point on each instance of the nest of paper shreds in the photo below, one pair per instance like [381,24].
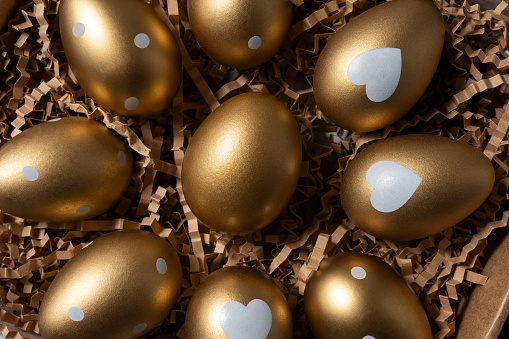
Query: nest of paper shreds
[467,100]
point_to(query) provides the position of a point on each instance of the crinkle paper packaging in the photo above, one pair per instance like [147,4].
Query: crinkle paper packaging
[467,100]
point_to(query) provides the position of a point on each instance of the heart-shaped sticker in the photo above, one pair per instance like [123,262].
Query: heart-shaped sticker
[379,69]
[246,322]
[393,185]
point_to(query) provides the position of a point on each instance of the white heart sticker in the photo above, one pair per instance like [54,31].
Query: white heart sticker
[246,322]
[393,185]
[379,69]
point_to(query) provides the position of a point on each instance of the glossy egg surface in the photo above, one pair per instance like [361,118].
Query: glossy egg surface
[240,33]
[119,287]
[64,170]
[411,186]
[238,303]
[355,295]
[242,164]
[122,53]
[372,71]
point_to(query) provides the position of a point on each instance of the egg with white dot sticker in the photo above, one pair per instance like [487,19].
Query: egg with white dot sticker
[122,53]
[355,295]
[239,33]
[65,170]
[115,288]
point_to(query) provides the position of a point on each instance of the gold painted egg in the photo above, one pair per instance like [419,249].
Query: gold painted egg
[240,33]
[374,70]
[64,170]
[355,295]
[120,286]
[242,164]
[412,186]
[122,53]
[238,303]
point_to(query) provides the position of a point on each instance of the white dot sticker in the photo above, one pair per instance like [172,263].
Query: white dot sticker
[131,104]
[30,173]
[76,314]
[121,158]
[90,243]
[142,40]
[83,209]
[78,30]
[161,266]
[368,337]
[140,328]
[358,272]
[255,42]
[53,120]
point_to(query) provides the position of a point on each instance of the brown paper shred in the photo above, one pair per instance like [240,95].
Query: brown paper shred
[190,67]
[445,312]
[467,100]
[11,334]
[498,135]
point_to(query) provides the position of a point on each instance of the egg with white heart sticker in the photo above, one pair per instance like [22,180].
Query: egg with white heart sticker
[372,71]
[238,303]
[355,295]
[411,186]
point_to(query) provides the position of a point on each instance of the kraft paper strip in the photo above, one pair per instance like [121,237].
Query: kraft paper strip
[36,84]
[11,334]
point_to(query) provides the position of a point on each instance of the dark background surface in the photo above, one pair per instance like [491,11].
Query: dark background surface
[505,331]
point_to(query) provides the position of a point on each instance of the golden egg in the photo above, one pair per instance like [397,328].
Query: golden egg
[64,170]
[374,70]
[355,295]
[242,164]
[412,186]
[122,53]
[120,286]
[238,303]
[240,33]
